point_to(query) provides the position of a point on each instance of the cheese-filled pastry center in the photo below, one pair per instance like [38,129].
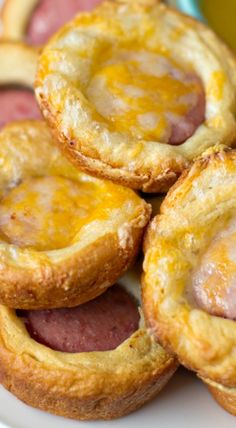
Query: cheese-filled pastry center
[147,95]
[46,213]
[214,281]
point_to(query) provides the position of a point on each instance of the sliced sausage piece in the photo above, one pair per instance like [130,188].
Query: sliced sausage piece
[214,280]
[50,15]
[99,325]
[184,127]
[17,104]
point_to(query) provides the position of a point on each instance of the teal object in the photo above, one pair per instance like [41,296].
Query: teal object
[191,7]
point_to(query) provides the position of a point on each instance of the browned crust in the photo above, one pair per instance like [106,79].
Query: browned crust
[98,168]
[34,391]
[151,322]
[95,390]
[225,397]
[147,182]
[217,152]
[32,279]
[225,376]
[71,282]
[202,162]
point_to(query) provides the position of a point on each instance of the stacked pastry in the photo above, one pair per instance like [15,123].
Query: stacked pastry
[131,93]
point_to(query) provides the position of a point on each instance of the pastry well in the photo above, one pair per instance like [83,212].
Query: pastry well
[199,207]
[65,236]
[88,385]
[104,138]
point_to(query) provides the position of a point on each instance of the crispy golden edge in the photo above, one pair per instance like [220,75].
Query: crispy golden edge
[95,385]
[215,369]
[15,16]
[78,275]
[148,183]
[82,277]
[225,397]
[148,180]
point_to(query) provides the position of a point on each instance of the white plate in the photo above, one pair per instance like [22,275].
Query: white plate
[184,403]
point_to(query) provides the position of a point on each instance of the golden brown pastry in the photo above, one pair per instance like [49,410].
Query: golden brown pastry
[17,73]
[81,385]
[36,20]
[135,91]
[189,281]
[64,236]
[224,396]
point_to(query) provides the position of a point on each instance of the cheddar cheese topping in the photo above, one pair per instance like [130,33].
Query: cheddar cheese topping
[47,213]
[143,93]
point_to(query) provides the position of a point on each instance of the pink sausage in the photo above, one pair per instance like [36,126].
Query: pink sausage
[50,15]
[17,104]
[99,325]
[184,127]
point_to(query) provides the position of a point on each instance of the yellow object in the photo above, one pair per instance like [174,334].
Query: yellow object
[187,247]
[145,86]
[71,384]
[108,92]
[45,213]
[63,234]
[221,16]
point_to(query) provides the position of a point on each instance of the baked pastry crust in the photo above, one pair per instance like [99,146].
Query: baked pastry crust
[85,137]
[95,385]
[104,248]
[18,64]
[224,396]
[194,211]
[15,17]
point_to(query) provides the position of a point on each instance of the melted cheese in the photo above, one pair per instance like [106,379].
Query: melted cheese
[215,280]
[47,213]
[216,85]
[136,91]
